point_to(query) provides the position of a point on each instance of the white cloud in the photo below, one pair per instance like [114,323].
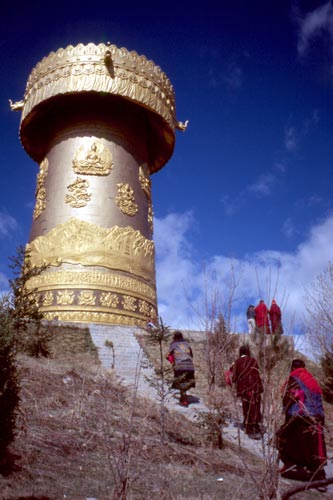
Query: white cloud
[182,278]
[7,224]
[319,22]
[175,268]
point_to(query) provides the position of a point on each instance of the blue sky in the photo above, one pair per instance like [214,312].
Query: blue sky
[245,203]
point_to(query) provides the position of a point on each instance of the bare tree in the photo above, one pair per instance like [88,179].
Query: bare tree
[319,326]
[319,307]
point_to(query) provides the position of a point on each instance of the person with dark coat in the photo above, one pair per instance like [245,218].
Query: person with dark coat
[275,318]
[262,319]
[181,356]
[301,440]
[251,318]
[246,377]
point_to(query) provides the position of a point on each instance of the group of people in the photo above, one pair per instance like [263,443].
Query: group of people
[263,320]
[300,440]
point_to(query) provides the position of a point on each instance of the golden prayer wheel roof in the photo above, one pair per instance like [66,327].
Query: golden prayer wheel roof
[90,79]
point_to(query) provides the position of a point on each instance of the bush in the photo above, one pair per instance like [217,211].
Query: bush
[17,309]
[9,385]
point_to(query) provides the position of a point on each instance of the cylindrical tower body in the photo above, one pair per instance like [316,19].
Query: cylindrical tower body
[99,121]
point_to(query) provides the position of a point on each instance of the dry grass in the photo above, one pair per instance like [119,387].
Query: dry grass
[80,436]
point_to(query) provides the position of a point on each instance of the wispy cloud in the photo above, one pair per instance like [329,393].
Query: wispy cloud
[309,202]
[232,204]
[295,133]
[280,166]
[233,76]
[288,228]
[182,278]
[290,139]
[266,182]
[228,73]
[263,185]
[317,23]
[7,224]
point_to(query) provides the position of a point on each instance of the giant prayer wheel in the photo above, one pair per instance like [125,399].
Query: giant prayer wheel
[99,121]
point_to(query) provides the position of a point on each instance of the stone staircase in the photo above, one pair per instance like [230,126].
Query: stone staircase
[118,349]
[132,366]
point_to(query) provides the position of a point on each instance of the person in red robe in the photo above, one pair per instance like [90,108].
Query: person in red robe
[246,377]
[262,317]
[301,440]
[275,318]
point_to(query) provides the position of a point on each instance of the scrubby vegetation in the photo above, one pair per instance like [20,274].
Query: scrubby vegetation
[9,386]
[81,436]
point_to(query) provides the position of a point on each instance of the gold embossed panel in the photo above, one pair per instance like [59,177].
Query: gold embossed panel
[80,242]
[92,158]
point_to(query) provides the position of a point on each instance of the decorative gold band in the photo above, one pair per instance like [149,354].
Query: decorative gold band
[104,281]
[94,317]
[93,297]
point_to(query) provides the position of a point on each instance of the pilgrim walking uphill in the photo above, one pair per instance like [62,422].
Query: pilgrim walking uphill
[245,375]
[181,356]
[300,440]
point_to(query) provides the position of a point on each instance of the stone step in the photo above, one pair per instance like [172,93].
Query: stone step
[125,356]
[132,366]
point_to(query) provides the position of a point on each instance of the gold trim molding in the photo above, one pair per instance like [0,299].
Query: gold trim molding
[94,304]
[81,242]
[86,68]
[95,317]
[92,300]
[106,281]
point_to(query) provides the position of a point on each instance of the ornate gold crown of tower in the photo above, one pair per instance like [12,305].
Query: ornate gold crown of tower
[99,121]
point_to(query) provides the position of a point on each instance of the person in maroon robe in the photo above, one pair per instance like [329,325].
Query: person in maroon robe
[300,440]
[262,318]
[275,318]
[246,377]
